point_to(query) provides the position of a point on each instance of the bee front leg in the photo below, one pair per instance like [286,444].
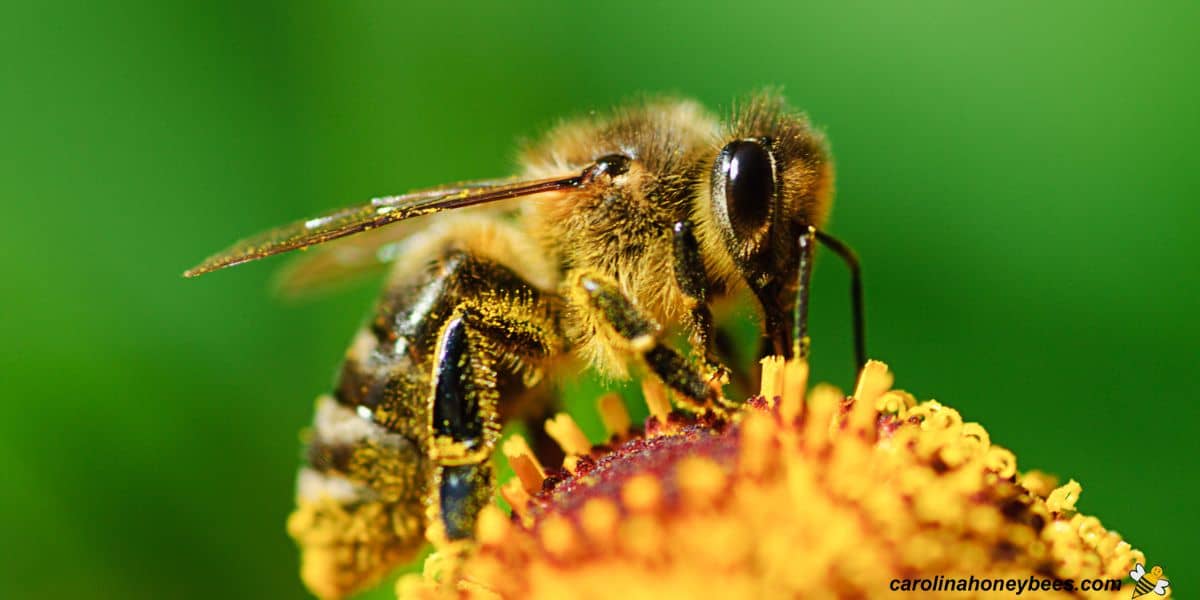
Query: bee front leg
[640,336]
[693,282]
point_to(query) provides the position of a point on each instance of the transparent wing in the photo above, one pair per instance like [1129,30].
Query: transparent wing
[339,263]
[376,213]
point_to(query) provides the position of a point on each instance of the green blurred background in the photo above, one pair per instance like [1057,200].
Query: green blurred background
[1020,180]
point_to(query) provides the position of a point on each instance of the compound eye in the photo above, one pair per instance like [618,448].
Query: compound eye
[749,186]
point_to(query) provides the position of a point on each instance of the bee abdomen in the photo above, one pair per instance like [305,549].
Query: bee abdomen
[358,502]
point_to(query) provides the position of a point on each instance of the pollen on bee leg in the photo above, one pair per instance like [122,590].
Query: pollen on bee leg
[771,385]
[655,394]
[563,430]
[613,414]
[529,471]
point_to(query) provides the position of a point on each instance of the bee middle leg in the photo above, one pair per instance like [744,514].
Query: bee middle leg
[640,335]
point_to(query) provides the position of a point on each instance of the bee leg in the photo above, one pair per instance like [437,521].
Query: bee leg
[725,348]
[640,335]
[692,280]
[463,408]
[474,350]
[801,342]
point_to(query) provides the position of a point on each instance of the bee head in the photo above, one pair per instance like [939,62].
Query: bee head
[769,184]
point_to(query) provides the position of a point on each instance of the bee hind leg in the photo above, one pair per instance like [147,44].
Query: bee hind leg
[477,347]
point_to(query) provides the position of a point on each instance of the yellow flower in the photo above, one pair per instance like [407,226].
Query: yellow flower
[814,495]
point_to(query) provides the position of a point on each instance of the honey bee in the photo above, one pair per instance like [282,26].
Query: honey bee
[1148,581]
[620,230]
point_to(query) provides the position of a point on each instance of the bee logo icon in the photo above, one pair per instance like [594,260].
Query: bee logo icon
[1146,582]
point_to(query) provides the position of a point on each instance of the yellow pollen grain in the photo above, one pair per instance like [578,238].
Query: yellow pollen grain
[529,471]
[1039,483]
[895,402]
[976,437]
[819,422]
[984,519]
[558,536]
[862,416]
[613,414]
[642,537]
[570,462]
[701,480]
[563,430]
[943,419]
[641,493]
[1063,499]
[757,435]
[656,399]
[642,343]
[598,517]
[492,526]
[1001,461]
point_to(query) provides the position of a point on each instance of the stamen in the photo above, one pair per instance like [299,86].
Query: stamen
[612,412]
[771,386]
[513,492]
[655,394]
[795,380]
[529,471]
[563,430]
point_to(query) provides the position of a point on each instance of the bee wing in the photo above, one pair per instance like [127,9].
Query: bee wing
[357,257]
[1160,588]
[376,213]
[1138,572]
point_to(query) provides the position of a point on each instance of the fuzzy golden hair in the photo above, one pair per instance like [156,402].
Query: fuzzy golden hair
[622,231]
